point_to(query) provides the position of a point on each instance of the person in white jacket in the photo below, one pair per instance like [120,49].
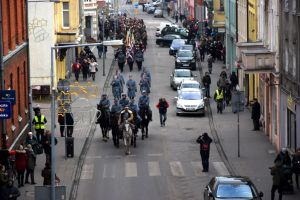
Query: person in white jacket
[93,68]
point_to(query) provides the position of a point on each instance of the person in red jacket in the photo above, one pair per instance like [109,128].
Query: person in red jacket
[21,163]
[162,106]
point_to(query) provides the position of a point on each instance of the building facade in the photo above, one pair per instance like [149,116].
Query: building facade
[290,74]
[91,19]
[218,23]
[231,36]
[14,62]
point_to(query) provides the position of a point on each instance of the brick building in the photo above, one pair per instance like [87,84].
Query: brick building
[14,62]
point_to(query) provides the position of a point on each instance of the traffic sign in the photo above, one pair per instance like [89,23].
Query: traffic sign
[5,109]
[8,95]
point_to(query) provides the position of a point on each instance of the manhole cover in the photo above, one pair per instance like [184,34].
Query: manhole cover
[188,129]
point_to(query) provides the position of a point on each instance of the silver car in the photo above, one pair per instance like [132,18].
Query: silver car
[190,101]
[158,13]
[178,75]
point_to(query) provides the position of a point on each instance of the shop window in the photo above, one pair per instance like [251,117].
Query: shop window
[291,129]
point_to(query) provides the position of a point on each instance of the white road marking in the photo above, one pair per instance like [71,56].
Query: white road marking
[153,168]
[197,167]
[176,168]
[220,168]
[109,171]
[154,154]
[87,172]
[130,169]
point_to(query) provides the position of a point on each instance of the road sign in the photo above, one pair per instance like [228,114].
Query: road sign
[5,109]
[238,101]
[8,95]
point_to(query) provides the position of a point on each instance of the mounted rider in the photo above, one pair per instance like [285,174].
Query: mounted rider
[144,103]
[104,103]
[126,115]
[116,108]
[124,101]
[144,84]
[135,109]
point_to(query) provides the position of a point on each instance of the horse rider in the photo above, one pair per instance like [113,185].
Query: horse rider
[131,88]
[104,103]
[126,114]
[144,103]
[116,87]
[116,108]
[135,109]
[148,75]
[123,101]
[144,84]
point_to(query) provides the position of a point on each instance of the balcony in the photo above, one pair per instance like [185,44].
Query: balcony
[258,60]
[241,46]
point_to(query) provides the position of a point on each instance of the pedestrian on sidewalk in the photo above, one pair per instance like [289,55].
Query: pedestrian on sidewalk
[76,69]
[206,80]
[31,163]
[47,145]
[21,162]
[219,97]
[276,172]
[39,122]
[69,123]
[176,17]
[296,166]
[162,106]
[61,121]
[30,139]
[209,63]
[204,140]
[9,191]
[255,116]
[233,80]
[93,67]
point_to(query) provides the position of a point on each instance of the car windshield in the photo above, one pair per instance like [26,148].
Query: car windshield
[183,74]
[177,42]
[185,54]
[190,85]
[190,95]
[234,191]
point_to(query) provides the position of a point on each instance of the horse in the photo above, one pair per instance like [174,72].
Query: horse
[145,114]
[114,118]
[135,129]
[127,136]
[103,121]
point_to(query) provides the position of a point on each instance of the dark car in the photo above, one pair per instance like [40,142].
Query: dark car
[185,59]
[166,40]
[231,187]
[151,10]
[174,30]
[176,44]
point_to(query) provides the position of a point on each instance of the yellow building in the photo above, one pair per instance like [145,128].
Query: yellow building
[219,16]
[253,78]
[67,31]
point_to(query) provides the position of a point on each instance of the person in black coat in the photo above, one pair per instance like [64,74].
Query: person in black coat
[234,80]
[255,114]
[204,140]
[70,124]
[206,80]
[9,192]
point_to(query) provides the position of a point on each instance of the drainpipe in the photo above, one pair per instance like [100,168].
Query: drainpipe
[3,122]
[28,69]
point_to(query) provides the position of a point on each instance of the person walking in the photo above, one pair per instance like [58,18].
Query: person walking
[39,122]
[277,173]
[209,63]
[47,145]
[76,69]
[69,123]
[233,80]
[93,67]
[21,162]
[116,87]
[131,87]
[296,166]
[130,61]
[31,163]
[61,121]
[204,140]
[162,106]
[121,60]
[255,116]
[206,80]
[219,97]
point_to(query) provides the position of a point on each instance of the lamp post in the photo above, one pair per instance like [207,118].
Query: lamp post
[103,47]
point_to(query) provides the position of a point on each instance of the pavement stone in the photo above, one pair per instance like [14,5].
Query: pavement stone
[84,110]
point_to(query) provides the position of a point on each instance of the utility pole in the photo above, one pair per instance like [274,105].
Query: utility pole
[103,47]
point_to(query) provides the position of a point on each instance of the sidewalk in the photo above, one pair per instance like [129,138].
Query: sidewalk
[256,152]
[83,109]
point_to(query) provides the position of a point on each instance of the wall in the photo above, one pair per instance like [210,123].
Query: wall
[242,18]
[41,36]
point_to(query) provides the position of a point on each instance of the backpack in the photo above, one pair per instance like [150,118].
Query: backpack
[121,57]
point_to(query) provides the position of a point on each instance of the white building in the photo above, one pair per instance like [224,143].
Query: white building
[91,30]
[42,38]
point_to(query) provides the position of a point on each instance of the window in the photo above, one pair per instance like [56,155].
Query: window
[25,84]
[16,22]
[286,58]
[66,15]
[294,60]
[11,86]
[286,5]
[8,25]
[19,91]
[291,129]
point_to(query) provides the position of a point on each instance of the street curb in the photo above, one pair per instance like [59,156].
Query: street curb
[87,143]
[214,133]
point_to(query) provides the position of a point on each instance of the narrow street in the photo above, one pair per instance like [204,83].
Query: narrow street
[167,165]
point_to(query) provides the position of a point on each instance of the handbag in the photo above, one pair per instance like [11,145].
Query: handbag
[38,149]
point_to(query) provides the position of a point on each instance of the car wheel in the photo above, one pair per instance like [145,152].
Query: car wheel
[177,114]
[161,44]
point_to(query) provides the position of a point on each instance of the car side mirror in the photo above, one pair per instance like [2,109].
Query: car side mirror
[210,194]
[261,194]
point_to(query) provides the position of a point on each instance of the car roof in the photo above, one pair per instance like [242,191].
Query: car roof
[232,179]
[190,90]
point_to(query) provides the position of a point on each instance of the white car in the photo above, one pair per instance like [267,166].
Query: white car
[162,26]
[189,84]
[178,75]
[190,101]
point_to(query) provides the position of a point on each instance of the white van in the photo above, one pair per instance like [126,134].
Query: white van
[162,26]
